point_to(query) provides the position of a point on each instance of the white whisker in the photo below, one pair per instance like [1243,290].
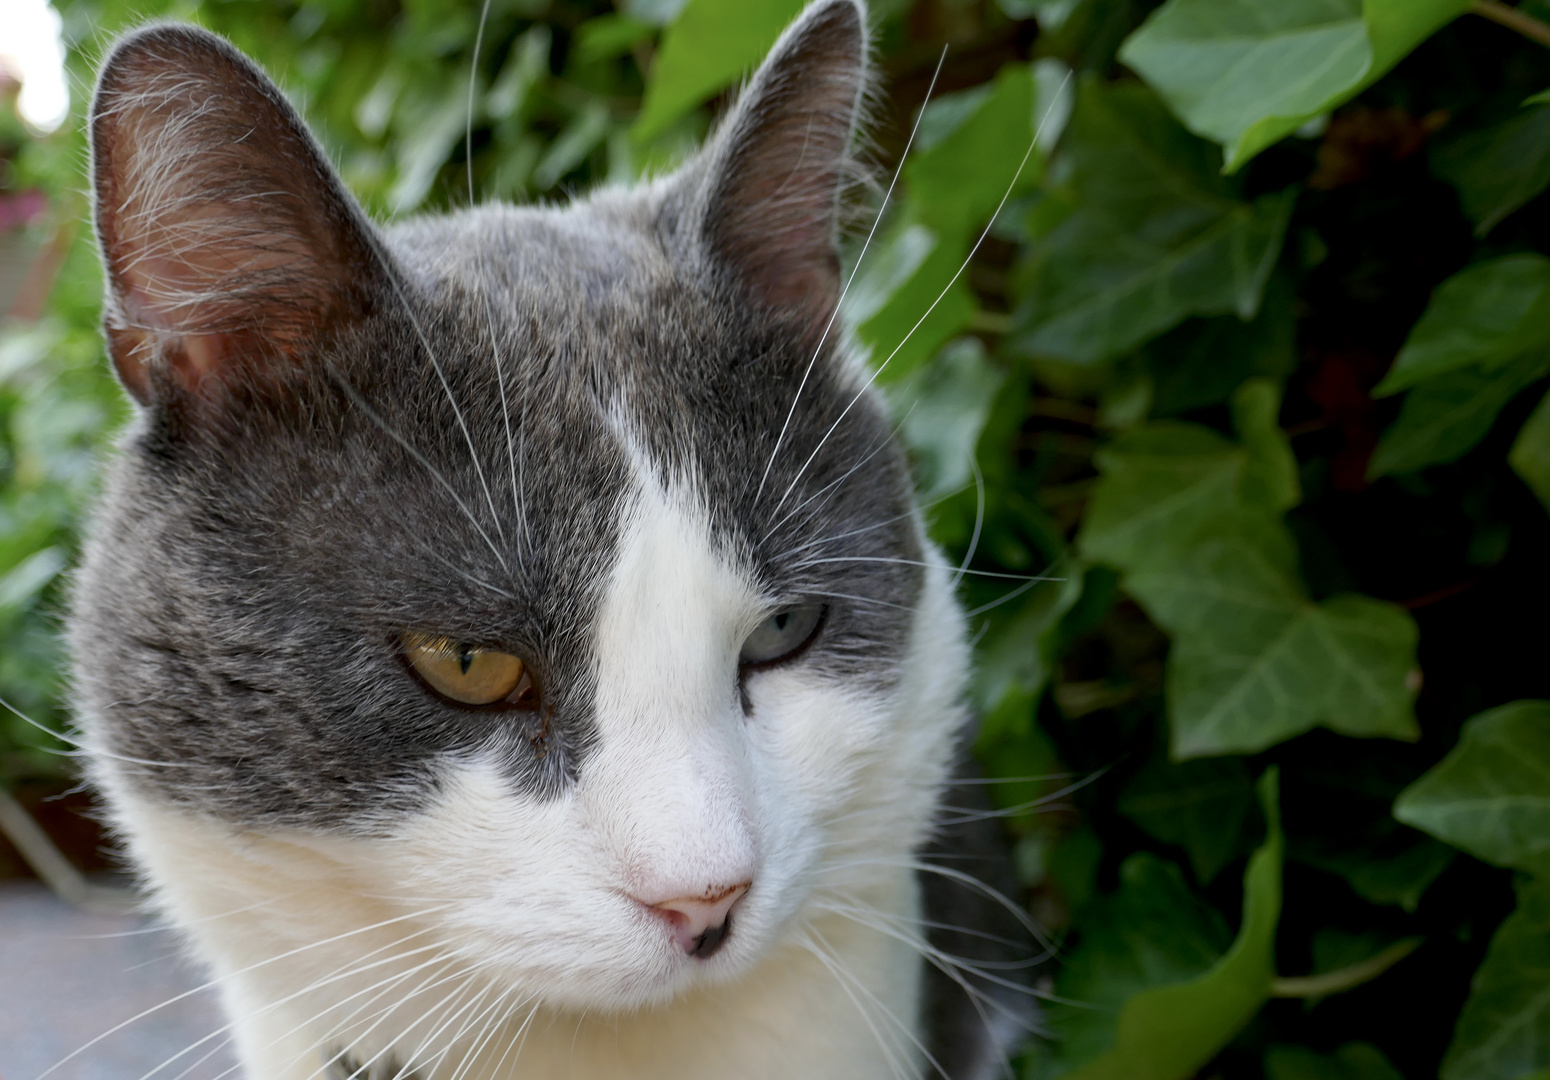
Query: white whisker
[457,410]
[953,968]
[1008,598]
[81,747]
[473,76]
[966,816]
[828,491]
[225,978]
[791,412]
[412,1062]
[495,1015]
[464,574]
[848,983]
[918,562]
[424,462]
[979,523]
[857,599]
[489,317]
[974,883]
[835,538]
[344,973]
[382,1015]
[518,1040]
[1038,130]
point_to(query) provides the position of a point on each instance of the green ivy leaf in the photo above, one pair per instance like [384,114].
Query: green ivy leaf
[710,45]
[1491,794]
[1499,168]
[1162,481]
[1203,806]
[1484,316]
[1443,418]
[1530,454]
[1353,1061]
[21,584]
[1154,238]
[1202,361]
[1395,869]
[1504,1031]
[968,160]
[607,36]
[1166,1032]
[910,294]
[1269,467]
[944,407]
[1194,521]
[1153,931]
[1246,73]
[1021,652]
[905,303]
[1255,662]
[432,127]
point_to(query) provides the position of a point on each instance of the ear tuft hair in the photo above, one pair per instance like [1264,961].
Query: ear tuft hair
[228,241]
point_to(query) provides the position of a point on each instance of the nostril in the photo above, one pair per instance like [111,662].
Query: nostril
[706,945]
[701,923]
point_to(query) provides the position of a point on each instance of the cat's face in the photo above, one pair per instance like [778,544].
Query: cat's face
[542,580]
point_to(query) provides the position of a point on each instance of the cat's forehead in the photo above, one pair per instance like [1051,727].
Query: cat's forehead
[600,250]
[591,311]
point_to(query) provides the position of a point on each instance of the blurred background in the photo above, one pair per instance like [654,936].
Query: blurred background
[1227,320]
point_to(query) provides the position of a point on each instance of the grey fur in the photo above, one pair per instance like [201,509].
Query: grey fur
[420,427]
[268,533]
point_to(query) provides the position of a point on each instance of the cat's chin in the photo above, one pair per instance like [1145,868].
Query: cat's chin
[628,986]
[627,964]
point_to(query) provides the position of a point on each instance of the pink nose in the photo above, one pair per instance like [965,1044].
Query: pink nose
[701,923]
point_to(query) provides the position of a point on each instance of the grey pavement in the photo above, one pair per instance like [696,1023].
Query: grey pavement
[67,978]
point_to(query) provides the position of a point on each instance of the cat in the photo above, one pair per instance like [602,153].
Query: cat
[508,644]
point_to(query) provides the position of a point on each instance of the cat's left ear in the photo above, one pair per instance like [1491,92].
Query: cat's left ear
[769,195]
[229,243]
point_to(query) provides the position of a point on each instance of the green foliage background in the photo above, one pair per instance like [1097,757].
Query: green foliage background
[1247,363]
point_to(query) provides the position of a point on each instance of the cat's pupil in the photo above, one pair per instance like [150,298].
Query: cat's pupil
[465,657]
[782,620]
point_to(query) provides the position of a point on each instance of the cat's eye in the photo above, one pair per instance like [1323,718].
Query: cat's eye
[469,675]
[782,636]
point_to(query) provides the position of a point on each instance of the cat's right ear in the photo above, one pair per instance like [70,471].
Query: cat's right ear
[229,244]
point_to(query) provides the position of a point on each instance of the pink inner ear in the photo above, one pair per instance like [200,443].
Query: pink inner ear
[207,267]
[204,353]
[783,155]
[785,238]
[227,238]
[184,304]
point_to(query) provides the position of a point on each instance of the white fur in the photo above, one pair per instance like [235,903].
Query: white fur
[500,935]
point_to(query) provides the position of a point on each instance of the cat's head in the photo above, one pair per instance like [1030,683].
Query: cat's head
[548,577]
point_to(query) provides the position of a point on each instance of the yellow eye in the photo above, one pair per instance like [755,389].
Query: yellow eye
[467,674]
